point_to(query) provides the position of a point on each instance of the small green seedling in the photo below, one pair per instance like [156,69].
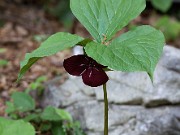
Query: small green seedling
[3,63]
[37,85]
[169,26]
[162,5]
[27,119]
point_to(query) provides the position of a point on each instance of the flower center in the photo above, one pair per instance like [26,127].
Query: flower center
[91,64]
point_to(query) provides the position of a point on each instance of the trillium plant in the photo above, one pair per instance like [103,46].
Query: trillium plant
[137,50]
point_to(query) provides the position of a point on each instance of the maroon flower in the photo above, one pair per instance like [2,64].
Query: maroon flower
[81,65]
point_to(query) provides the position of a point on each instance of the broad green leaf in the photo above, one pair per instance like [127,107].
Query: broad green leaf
[103,18]
[23,102]
[136,50]
[55,114]
[162,5]
[55,43]
[18,127]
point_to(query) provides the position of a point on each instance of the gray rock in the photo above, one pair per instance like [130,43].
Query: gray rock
[66,94]
[171,58]
[128,120]
[129,96]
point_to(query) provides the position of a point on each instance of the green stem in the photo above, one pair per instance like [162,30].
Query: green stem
[105,110]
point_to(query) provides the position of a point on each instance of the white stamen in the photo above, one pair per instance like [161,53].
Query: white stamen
[83,71]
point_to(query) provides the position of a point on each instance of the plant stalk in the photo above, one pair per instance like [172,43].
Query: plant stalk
[105,110]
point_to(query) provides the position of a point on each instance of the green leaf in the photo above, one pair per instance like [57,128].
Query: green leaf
[75,128]
[170,27]
[23,102]
[54,114]
[10,108]
[162,5]
[3,63]
[18,127]
[45,126]
[57,129]
[34,85]
[62,11]
[103,18]
[64,114]
[40,38]
[32,117]
[55,43]
[41,79]
[136,50]
[3,50]
[14,116]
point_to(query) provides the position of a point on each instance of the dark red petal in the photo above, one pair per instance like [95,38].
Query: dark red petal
[75,65]
[94,77]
